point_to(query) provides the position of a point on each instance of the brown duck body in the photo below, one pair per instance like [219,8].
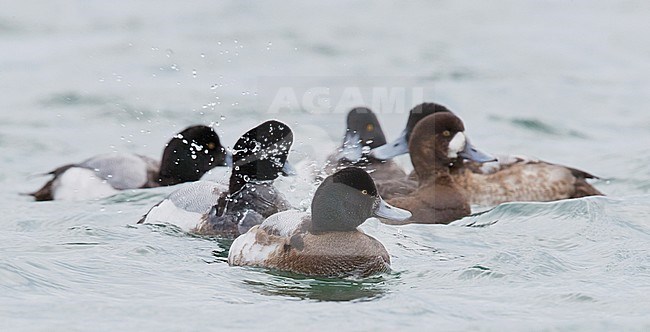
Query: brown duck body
[524,181]
[284,242]
[435,201]
[521,180]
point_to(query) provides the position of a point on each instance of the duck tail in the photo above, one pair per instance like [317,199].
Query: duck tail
[43,194]
[580,174]
[584,189]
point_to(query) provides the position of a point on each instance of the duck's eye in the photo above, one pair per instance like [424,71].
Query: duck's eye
[446,133]
[365,192]
[211,146]
[370,127]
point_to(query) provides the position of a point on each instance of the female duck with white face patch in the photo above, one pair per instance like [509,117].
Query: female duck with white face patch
[325,242]
[436,142]
[507,179]
[187,156]
[206,208]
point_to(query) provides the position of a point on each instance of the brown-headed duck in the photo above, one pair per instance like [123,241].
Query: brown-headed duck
[436,141]
[509,178]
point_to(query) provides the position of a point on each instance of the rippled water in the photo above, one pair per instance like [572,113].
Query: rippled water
[565,82]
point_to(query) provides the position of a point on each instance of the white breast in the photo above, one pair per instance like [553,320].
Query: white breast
[186,206]
[246,250]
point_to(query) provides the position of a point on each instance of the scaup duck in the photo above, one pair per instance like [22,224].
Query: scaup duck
[325,242]
[436,141]
[209,208]
[509,178]
[187,156]
[363,133]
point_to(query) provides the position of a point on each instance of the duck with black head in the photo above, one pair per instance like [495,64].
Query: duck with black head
[436,141]
[363,133]
[208,208]
[507,179]
[325,242]
[188,155]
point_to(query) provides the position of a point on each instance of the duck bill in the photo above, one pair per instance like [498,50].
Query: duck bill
[352,149]
[288,169]
[391,150]
[472,153]
[387,211]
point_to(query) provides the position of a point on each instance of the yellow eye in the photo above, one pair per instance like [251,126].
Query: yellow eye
[446,133]
[365,192]
[211,146]
[370,127]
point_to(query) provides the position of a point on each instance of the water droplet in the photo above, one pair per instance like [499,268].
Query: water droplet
[194,73]
[222,117]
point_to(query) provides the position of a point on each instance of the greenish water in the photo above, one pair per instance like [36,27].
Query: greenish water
[565,82]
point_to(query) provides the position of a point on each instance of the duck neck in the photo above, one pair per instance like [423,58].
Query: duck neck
[174,174]
[429,166]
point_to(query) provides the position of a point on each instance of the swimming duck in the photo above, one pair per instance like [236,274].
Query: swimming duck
[325,242]
[363,133]
[209,208]
[436,141]
[508,178]
[187,156]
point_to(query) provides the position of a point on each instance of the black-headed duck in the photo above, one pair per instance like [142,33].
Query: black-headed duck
[363,133]
[208,208]
[188,155]
[325,242]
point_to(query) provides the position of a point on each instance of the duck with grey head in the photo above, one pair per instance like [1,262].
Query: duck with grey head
[325,242]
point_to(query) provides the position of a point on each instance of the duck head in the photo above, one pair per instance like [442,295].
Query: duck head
[438,141]
[190,154]
[363,129]
[261,154]
[400,145]
[346,199]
